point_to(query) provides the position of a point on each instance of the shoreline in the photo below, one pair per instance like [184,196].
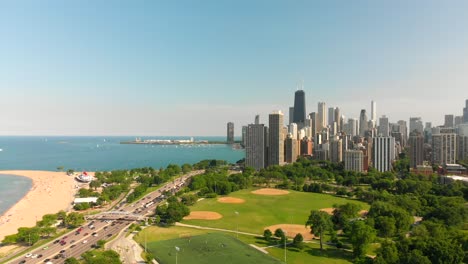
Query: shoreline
[50,192]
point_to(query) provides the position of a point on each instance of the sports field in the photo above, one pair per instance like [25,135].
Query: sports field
[207,248]
[260,211]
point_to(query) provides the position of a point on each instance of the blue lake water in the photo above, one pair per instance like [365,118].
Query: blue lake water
[95,154]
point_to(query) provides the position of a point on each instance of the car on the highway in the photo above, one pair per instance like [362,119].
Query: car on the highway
[46,260]
[23,261]
[85,241]
[72,246]
[62,251]
[28,255]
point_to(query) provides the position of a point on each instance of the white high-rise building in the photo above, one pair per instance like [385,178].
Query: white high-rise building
[293,130]
[321,116]
[354,160]
[331,116]
[383,152]
[353,127]
[374,110]
[416,124]
[444,148]
[276,138]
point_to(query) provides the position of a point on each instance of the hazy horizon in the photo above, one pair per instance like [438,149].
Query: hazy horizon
[187,67]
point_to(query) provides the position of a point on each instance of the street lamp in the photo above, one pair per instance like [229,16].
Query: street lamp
[177,250]
[285,238]
[237,224]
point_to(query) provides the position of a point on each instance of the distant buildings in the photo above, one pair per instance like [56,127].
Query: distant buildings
[383,127]
[444,148]
[230,133]
[291,149]
[383,152]
[299,115]
[276,138]
[321,117]
[465,112]
[416,124]
[256,146]
[373,111]
[449,121]
[363,125]
[354,160]
[416,149]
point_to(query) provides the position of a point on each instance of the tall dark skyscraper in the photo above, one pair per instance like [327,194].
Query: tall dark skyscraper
[299,116]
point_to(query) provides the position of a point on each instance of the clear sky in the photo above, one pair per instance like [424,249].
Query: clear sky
[189,67]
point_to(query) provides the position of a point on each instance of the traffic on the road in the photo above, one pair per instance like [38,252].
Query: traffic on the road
[102,227]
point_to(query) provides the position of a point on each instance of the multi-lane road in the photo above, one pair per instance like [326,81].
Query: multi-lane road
[82,239]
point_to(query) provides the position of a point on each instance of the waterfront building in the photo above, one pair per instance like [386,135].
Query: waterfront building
[256,146]
[449,121]
[416,149]
[383,127]
[444,148]
[313,124]
[383,153]
[276,138]
[244,137]
[230,133]
[363,124]
[353,127]
[374,111]
[299,115]
[321,116]
[354,160]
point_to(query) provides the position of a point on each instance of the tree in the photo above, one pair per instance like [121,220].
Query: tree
[319,222]
[100,243]
[267,234]
[94,184]
[101,257]
[298,241]
[385,225]
[71,260]
[280,233]
[361,236]
[343,213]
[387,253]
[74,219]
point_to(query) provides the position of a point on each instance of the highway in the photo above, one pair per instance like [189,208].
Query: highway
[105,225]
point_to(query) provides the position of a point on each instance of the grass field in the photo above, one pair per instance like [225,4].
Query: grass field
[309,254]
[207,248]
[260,211]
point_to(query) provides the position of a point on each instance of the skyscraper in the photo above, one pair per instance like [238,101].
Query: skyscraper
[276,138]
[374,111]
[336,149]
[449,121]
[291,149]
[337,120]
[363,123]
[383,127]
[291,114]
[465,112]
[321,116]
[299,116]
[331,116]
[293,129]
[353,127]
[230,133]
[313,123]
[458,120]
[416,124]
[383,152]
[444,148]
[404,132]
[354,160]
[416,149]
[255,148]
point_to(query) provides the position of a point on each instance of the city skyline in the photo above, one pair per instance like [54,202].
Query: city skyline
[139,69]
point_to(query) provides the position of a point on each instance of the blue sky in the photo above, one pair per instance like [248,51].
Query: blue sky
[188,67]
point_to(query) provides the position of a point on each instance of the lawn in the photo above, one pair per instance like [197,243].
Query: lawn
[309,254]
[260,211]
[207,248]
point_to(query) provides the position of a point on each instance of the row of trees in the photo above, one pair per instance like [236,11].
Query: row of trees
[45,228]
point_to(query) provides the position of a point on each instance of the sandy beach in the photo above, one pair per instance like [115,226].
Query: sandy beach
[50,193]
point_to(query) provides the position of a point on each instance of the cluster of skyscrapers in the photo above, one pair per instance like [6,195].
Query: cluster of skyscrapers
[360,143]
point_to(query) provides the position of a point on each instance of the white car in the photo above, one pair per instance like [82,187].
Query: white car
[95,235]
[85,241]
[34,256]
[28,255]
